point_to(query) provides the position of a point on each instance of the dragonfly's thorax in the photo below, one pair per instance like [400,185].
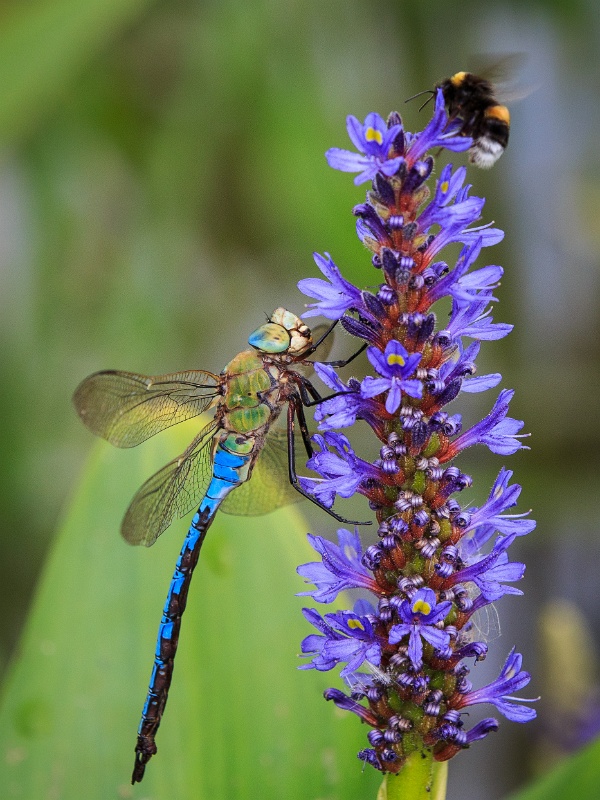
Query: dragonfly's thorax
[252,393]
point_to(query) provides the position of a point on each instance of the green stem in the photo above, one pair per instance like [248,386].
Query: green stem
[421,778]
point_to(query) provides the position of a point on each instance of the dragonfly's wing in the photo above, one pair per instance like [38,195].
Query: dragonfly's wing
[126,409]
[269,486]
[172,492]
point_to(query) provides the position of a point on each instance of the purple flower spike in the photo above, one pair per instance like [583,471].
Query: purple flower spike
[436,562]
[373,139]
[334,298]
[395,364]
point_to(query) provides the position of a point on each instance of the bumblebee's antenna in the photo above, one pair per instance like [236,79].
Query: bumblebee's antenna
[431,94]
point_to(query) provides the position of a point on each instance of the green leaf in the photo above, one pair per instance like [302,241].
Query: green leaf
[44,44]
[241,722]
[576,778]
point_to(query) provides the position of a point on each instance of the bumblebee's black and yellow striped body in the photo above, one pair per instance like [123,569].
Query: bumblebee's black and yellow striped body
[471,100]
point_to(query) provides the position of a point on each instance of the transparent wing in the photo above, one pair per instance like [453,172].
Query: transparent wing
[504,71]
[497,67]
[172,492]
[269,486]
[486,623]
[126,409]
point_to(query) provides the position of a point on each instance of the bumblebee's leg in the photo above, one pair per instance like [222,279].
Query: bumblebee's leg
[293,407]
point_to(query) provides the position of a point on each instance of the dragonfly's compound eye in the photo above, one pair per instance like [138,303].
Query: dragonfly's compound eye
[270,338]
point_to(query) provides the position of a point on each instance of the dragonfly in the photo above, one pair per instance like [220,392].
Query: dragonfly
[244,439]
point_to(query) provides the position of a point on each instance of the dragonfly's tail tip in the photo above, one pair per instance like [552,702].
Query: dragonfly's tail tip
[139,768]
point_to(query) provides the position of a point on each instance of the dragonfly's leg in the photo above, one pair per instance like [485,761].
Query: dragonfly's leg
[311,397]
[342,362]
[321,339]
[304,429]
[292,411]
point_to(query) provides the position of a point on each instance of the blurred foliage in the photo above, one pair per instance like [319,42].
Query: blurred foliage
[162,186]
[238,713]
[575,779]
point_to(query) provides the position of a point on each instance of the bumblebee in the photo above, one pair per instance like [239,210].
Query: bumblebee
[470,99]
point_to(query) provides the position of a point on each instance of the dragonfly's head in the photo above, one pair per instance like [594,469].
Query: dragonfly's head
[285,333]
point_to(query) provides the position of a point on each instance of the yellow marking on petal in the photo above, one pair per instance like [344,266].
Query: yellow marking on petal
[350,552]
[372,135]
[395,358]
[444,186]
[355,623]
[421,607]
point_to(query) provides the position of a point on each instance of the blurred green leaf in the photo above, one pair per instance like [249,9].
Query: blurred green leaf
[44,45]
[241,721]
[577,778]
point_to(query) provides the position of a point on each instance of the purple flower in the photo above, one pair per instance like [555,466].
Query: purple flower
[420,615]
[395,364]
[335,297]
[346,636]
[463,286]
[342,471]
[463,367]
[485,521]
[341,567]
[456,232]
[451,208]
[510,680]
[473,319]
[481,383]
[341,411]
[436,134]
[490,572]
[373,139]
[455,738]
[343,701]
[497,431]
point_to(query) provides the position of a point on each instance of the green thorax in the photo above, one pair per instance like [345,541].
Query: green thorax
[246,376]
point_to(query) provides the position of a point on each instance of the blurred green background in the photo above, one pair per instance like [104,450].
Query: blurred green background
[162,186]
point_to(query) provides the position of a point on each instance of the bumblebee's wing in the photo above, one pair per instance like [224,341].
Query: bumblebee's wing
[504,71]
[497,67]
[269,486]
[126,409]
[172,492]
